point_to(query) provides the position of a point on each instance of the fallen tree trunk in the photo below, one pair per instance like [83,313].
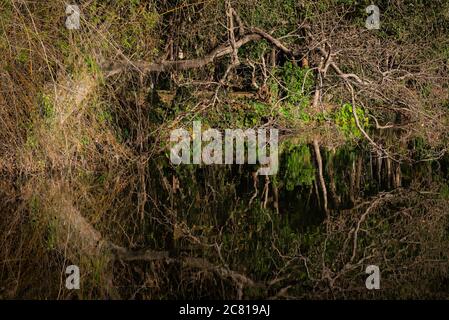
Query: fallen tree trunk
[178,65]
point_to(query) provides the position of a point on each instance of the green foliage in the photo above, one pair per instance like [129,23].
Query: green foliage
[260,13]
[254,50]
[85,141]
[292,113]
[31,140]
[297,83]
[345,120]
[299,170]
[92,65]
[105,116]
[421,148]
[51,234]
[258,111]
[290,89]
[130,23]
[23,56]
[46,106]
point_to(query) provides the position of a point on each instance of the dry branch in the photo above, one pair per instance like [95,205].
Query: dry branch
[179,65]
[320,173]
